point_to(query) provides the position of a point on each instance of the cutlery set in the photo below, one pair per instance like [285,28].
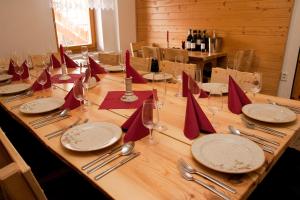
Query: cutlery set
[293,108]
[267,144]
[186,171]
[125,150]
[50,119]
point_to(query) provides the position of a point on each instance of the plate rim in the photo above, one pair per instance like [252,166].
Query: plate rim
[9,76]
[225,171]
[15,92]
[90,150]
[268,121]
[224,92]
[34,113]
[171,76]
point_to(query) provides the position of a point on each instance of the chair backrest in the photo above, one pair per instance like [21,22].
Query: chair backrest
[136,48]
[220,75]
[149,52]
[16,179]
[176,68]
[176,55]
[243,60]
[37,60]
[109,58]
[140,64]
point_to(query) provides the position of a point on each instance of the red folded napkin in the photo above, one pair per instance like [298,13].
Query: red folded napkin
[95,67]
[195,119]
[186,80]
[69,62]
[55,62]
[25,74]
[134,127]
[61,51]
[74,77]
[131,72]
[113,100]
[236,97]
[70,101]
[16,77]
[11,69]
[36,86]
[203,94]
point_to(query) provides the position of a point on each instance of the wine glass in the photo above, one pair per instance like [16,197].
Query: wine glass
[85,54]
[159,83]
[256,83]
[150,117]
[78,92]
[18,67]
[86,81]
[42,79]
[215,103]
[194,84]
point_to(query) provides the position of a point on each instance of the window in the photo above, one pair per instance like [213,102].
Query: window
[74,24]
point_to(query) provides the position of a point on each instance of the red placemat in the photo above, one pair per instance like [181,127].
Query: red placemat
[113,100]
[74,77]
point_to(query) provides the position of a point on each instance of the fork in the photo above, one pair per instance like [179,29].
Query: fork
[188,168]
[295,109]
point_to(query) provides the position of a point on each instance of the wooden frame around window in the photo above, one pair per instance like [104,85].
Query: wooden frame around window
[77,49]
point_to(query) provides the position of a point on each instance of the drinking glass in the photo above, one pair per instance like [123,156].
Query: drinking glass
[78,91]
[150,117]
[18,67]
[256,83]
[215,103]
[42,79]
[85,54]
[195,82]
[159,83]
[86,81]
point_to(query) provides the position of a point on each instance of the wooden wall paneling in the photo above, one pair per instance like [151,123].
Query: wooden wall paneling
[250,24]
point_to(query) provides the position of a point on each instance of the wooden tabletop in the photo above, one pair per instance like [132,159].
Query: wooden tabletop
[205,55]
[154,174]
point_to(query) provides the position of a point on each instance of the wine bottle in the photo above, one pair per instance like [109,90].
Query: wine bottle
[202,42]
[198,42]
[206,40]
[193,41]
[188,40]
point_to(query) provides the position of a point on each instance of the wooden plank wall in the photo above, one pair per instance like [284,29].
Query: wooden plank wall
[244,24]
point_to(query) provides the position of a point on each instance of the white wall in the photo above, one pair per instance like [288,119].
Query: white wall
[126,23]
[26,26]
[291,52]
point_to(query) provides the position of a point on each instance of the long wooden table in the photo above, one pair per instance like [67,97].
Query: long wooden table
[154,174]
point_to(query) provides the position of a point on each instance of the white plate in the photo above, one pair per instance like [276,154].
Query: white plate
[228,153]
[269,113]
[117,68]
[5,77]
[91,136]
[158,76]
[14,88]
[215,86]
[43,105]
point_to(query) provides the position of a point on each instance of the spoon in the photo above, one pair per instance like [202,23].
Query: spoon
[188,168]
[189,177]
[126,150]
[238,132]
[265,147]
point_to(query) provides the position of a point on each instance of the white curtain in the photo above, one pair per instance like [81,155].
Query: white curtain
[93,4]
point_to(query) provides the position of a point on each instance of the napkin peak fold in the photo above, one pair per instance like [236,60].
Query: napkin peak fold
[236,97]
[195,119]
[36,86]
[131,72]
